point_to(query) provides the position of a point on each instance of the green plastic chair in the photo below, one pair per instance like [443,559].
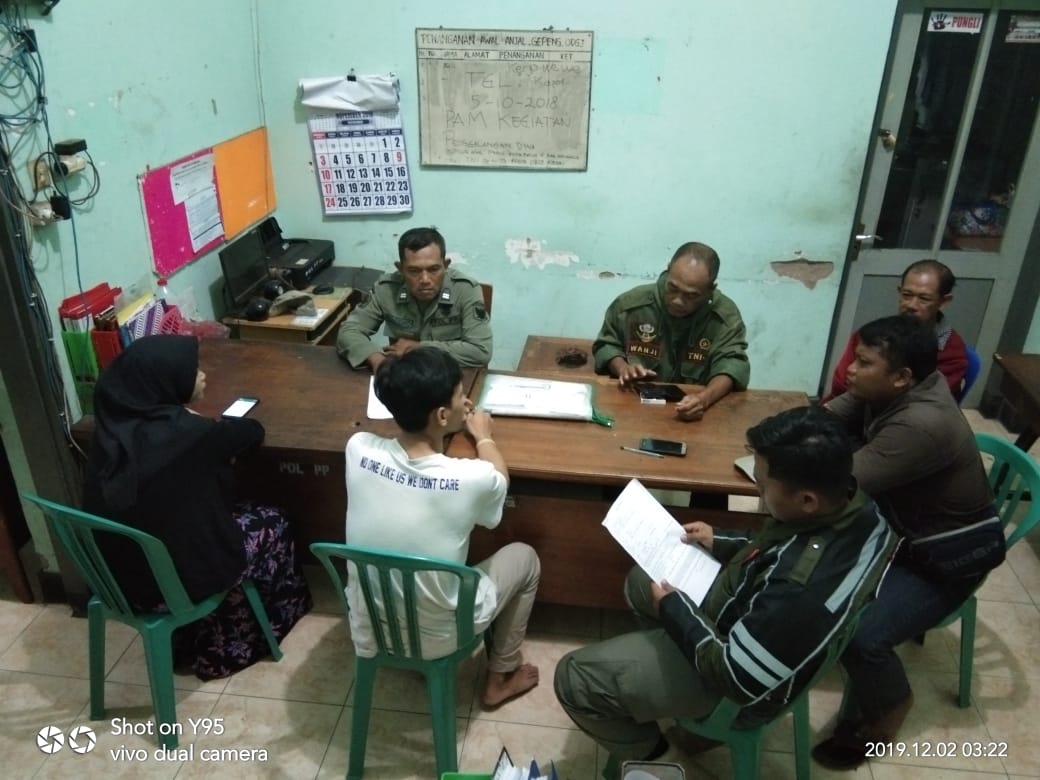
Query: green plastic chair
[381,569]
[745,743]
[77,531]
[1013,474]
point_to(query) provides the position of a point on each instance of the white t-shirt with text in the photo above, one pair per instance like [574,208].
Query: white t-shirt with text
[419,506]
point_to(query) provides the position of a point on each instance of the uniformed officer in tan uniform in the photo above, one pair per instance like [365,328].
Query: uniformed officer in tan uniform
[679,329]
[423,301]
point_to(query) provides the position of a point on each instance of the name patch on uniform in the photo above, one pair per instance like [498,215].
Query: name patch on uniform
[406,323]
[454,319]
[643,350]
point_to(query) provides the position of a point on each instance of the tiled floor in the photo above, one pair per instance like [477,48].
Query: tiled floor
[299,710]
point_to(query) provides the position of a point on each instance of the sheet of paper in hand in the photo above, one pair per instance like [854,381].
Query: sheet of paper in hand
[653,538]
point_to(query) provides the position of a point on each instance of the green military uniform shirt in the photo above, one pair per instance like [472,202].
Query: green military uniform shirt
[691,350]
[455,321]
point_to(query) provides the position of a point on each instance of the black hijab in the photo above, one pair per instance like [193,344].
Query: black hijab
[141,422]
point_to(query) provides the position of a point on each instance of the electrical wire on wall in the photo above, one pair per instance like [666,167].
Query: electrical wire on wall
[24,130]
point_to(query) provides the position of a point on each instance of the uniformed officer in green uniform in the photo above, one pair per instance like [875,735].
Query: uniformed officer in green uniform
[423,301]
[679,329]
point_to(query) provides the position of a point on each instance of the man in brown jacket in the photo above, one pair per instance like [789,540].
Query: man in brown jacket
[919,461]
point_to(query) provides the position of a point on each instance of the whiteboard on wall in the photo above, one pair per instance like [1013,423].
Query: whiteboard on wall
[504,98]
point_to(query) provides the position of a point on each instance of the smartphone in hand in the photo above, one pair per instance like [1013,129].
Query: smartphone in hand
[239,407]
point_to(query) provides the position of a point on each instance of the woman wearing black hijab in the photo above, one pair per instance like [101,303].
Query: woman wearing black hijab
[160,467]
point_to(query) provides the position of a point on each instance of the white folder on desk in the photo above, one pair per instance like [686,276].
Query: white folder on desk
[523,396]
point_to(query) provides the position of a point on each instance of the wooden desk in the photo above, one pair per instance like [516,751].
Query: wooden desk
[1021,387]
[540,354]
[564,476]
[290,327]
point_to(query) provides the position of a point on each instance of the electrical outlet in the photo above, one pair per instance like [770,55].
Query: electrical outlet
[40,174]
[41,213]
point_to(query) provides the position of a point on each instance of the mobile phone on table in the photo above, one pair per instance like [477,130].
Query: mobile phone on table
[650,392]
[239,407]
[663,446]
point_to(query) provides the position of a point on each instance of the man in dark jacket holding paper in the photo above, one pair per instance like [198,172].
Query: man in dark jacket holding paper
[783,596]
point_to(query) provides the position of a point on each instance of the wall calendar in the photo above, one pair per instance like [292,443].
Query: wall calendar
[361,162]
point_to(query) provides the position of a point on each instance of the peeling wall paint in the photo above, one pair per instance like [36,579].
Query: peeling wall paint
[808,272]
[591,275]
[528,252]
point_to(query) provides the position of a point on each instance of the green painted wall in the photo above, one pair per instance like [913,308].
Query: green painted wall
[744,126]
[144,83]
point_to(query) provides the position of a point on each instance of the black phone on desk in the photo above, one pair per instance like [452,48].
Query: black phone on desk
[663,447]
[240,407]
[654,392]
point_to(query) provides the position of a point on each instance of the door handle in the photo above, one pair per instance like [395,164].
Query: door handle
[869,238]
[888,138]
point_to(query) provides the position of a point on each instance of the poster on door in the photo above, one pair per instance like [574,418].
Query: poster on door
[1023,29]
[955,22]
[361,162]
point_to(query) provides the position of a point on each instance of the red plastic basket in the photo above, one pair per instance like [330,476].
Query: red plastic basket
[106,346]
[171,321]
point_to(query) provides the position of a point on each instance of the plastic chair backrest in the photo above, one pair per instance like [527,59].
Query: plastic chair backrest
[77,531]
[1013,474]
[726,715]
[972,372]
[382,572]
[488,292]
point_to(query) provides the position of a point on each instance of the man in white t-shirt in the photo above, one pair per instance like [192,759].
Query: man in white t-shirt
[404,494]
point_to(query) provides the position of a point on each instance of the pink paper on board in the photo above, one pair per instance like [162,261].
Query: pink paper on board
[167,221]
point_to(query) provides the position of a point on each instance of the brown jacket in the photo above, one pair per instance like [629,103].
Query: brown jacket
[918,459]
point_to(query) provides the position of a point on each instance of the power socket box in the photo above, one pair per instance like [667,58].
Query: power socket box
[39,173]
[70,146]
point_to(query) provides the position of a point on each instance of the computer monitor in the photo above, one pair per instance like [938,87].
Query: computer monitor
[244,264]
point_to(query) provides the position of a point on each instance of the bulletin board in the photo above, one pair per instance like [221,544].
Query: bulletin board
[245,181]
[191,204]
[504,98]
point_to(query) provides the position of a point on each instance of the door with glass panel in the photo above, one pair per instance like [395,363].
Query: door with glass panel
[954,172]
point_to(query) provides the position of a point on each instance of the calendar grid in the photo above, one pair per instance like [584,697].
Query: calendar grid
[361,162]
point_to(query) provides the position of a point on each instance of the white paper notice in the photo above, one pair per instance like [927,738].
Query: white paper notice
[192,184]
[376,410]
[654,540]
[203,214]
